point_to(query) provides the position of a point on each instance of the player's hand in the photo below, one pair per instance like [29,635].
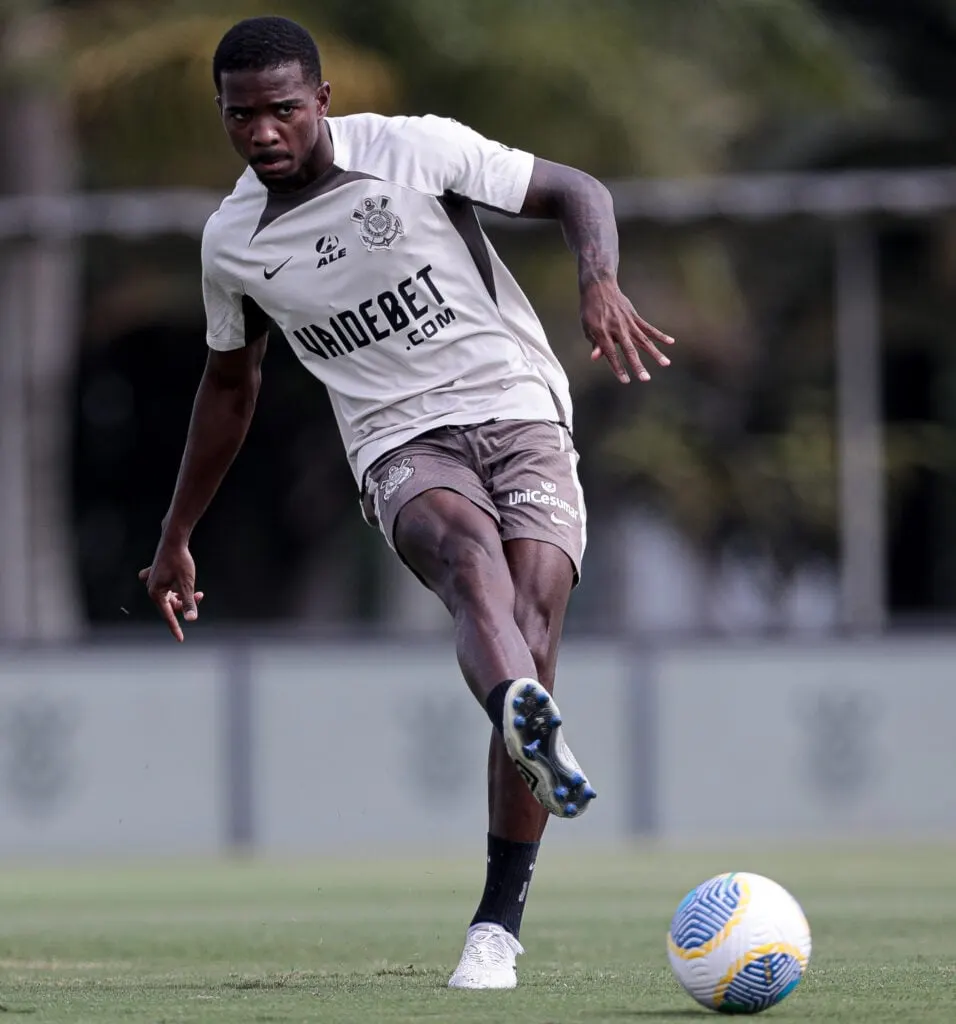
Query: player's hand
[171,584]
[611,323]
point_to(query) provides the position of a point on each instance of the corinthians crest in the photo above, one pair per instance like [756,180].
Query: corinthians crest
[37,769]
[397,475]
[378,226]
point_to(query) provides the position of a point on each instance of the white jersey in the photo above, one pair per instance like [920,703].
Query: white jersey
[385,286]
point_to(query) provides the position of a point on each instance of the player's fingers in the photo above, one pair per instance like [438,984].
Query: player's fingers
[166,610]
[624,335]
[188,598]
[651,331]
[649,346]
[616,365]
[178,603]
[605,347]
[633,357]
[641,330]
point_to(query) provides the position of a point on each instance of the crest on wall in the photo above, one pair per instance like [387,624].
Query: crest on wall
[37,760]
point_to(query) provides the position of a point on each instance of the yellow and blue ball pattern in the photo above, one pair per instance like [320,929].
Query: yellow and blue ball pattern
[739,943]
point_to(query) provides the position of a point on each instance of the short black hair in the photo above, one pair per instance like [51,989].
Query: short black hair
[256,44]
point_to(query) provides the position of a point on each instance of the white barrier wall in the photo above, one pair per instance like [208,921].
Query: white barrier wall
[842,739]
[291,747]
[109,751]
[298,748]
[385,745]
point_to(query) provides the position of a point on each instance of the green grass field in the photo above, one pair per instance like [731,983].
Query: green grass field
[344,943]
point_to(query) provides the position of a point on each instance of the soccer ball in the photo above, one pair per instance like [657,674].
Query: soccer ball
[739,943]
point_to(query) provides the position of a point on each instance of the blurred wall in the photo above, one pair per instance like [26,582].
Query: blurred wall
[291,748]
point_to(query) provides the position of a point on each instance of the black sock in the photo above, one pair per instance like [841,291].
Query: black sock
[495,704]
[510,866]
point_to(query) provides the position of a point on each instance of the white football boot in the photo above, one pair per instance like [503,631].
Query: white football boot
[488,959]
[535,742]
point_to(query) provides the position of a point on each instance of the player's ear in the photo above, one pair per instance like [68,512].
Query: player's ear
[219,104]
[323,97]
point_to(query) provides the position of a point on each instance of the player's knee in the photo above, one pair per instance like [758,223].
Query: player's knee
[471,567]
[459,556]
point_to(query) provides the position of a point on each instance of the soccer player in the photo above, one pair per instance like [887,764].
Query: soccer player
[357,237]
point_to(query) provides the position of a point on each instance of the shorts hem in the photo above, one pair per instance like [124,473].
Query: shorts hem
[547,537]
[488,509]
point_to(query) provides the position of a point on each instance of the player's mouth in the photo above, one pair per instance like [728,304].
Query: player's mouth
[272,163]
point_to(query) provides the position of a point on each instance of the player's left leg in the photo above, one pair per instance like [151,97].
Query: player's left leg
[543,576]
[530,470]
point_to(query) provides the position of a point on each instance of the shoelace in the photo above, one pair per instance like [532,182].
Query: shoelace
[489,947]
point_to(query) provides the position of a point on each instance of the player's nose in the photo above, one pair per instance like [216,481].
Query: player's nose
[265,134]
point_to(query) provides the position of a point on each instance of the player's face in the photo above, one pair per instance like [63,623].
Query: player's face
[273,118]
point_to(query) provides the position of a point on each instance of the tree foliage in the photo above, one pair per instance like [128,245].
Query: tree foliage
[622,87]
[739,440]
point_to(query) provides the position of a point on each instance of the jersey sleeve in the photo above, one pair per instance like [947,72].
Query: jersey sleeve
[222,298]
[453,157]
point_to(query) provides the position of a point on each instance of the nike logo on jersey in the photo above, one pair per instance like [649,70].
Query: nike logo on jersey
[559,521]
[270,274]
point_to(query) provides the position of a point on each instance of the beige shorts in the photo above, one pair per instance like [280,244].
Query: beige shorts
[523,473]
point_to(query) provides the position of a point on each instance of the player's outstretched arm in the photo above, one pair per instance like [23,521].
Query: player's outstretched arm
[222,412]
[585,210]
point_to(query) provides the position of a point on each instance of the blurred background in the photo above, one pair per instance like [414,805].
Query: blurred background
[772,542]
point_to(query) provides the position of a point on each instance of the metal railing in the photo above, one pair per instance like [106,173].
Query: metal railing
[851,200]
